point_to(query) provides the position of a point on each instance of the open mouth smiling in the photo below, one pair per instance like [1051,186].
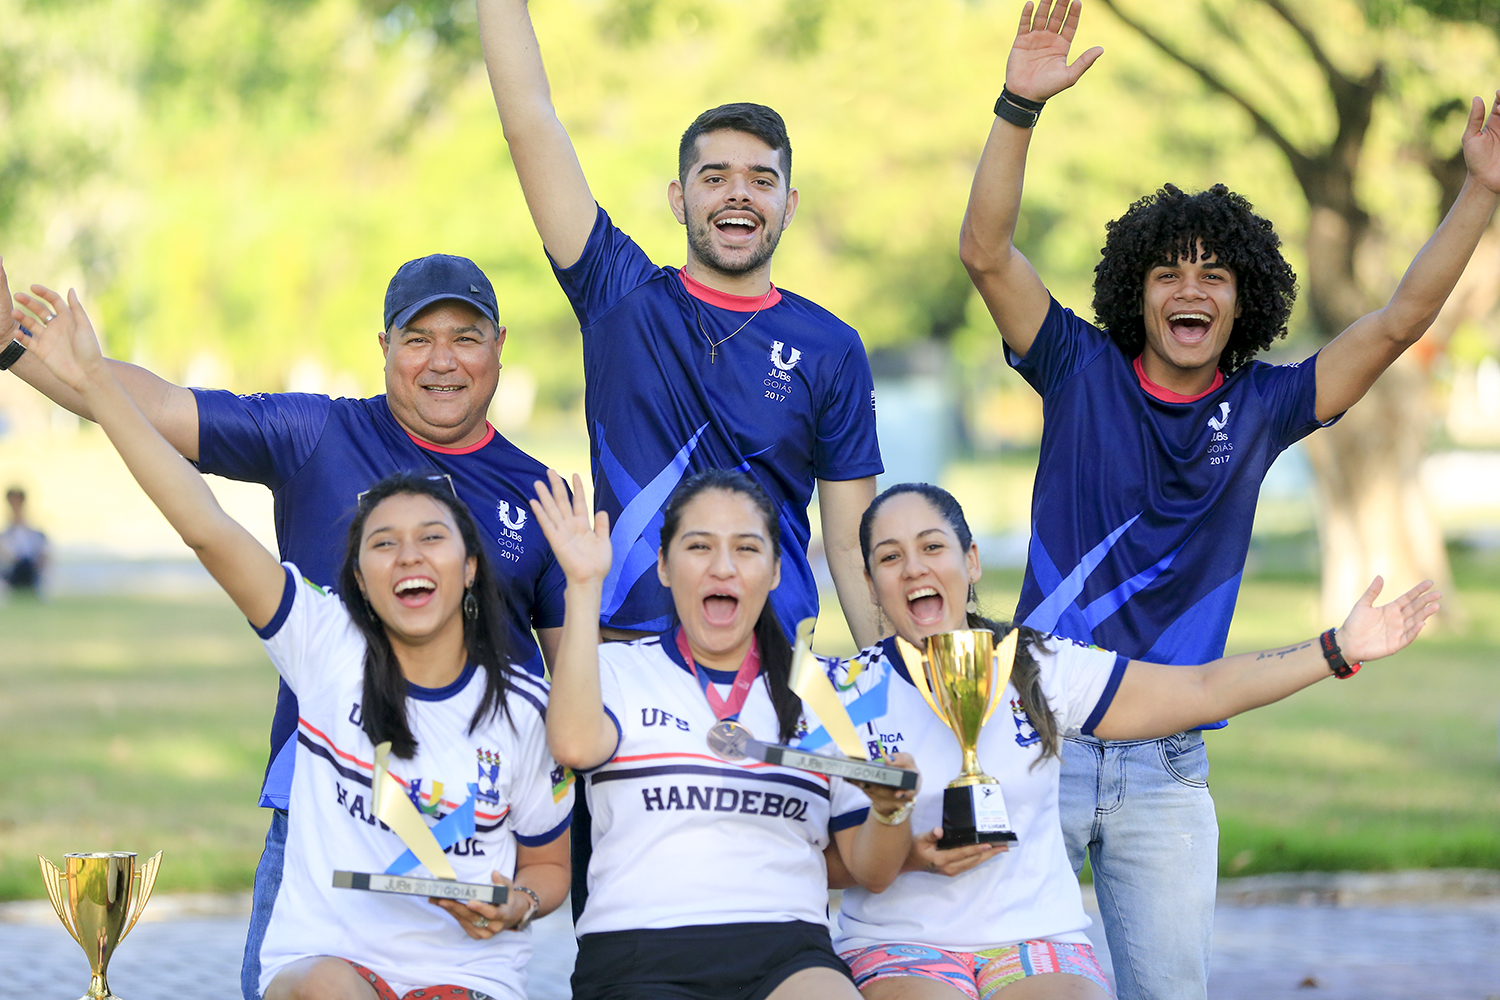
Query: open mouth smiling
[1189,327]
[415,591]
[737,226]
[720,609]
[925,605]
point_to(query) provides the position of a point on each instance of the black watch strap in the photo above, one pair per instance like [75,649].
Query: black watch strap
[11,354]
[1342,668]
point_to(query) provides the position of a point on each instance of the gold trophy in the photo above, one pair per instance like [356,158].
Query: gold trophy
[962,677]
[93,899]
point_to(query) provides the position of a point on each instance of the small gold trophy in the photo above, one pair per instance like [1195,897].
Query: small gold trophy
[93,899]
[962,677]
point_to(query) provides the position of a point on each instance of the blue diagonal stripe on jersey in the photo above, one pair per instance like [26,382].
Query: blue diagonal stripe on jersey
[632,553]
[1113,601]
[1059,601]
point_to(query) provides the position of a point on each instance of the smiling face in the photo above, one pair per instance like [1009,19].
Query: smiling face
[735,203]
[413,568]
[720,567]
[441,370]
[919,572]
[1188,309]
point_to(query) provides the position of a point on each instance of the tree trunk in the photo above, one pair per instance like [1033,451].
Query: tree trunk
[1374,517]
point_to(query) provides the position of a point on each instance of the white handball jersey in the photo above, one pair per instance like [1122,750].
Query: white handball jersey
[521,794]
[1024,894]
[682,837]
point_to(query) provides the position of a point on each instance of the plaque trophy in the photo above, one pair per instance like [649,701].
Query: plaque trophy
[962,677]
[425,845]
[732,741]
[92,899]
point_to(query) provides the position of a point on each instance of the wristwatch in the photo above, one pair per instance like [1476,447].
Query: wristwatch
[11,354]
[896,818]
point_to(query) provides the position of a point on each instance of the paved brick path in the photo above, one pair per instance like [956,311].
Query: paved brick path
[1272,938]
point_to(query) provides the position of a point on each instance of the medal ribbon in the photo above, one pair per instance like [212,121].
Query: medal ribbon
[723,709]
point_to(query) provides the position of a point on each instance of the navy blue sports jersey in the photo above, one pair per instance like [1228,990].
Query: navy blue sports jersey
[318,454]
[1143,506]
[788,399]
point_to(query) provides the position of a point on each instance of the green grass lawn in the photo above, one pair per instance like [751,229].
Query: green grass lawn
[141,725]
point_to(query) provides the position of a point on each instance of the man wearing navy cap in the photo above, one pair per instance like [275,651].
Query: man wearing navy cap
[441,342]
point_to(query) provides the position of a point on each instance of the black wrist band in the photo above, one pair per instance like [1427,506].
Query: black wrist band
[1016,116]
[11,354]
[1342,668]
[1024,103]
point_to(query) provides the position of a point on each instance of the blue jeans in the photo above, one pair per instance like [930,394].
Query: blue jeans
[267,885]
[1141,811]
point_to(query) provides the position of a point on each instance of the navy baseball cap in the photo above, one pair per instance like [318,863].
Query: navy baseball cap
[421,282]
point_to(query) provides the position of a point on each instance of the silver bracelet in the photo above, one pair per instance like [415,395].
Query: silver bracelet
[536,905]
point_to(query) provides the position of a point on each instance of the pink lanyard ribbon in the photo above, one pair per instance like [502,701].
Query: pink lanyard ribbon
[742,680]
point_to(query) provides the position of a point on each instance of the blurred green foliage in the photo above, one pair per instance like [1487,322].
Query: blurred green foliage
[231,183]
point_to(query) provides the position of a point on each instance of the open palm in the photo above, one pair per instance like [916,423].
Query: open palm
[1482,144]
[62,337]
[1038,64]
[580,543]
[1370,632]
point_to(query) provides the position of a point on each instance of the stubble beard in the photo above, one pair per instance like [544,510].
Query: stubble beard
[702,249]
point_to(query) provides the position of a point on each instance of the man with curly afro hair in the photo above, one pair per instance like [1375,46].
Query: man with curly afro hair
[1158,429]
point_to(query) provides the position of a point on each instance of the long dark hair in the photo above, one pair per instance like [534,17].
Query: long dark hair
[486,636]
[775,651]
[1025,675]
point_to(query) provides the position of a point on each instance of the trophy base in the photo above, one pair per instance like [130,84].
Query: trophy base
[974,814]
[869,772]
[440,888]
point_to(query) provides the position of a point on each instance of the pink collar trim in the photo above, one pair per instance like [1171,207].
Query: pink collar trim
[724,300]
[1167,395]
[489,435]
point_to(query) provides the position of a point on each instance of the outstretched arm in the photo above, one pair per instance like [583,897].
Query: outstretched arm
[66,346]
[1037,69]
[1155,699]
[552,180]
[841,504]
[1349,365]
[172,410]
[579,733]
[872,853]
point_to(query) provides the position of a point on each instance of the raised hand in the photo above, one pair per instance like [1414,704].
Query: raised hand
[1038,65]
[10,325]
[62,337]
[580,543]
[1482,144]
[1370,632]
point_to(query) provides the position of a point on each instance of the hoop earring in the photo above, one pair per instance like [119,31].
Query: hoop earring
[973,606]
[471,605]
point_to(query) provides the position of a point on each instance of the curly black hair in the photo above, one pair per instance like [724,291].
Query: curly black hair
[1168,226]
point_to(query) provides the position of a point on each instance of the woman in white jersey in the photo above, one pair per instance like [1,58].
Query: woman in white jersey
[417,659]
[974,921]
[707,877]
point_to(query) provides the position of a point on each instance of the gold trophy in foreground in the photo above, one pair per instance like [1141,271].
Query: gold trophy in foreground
[92,899]
[962,677]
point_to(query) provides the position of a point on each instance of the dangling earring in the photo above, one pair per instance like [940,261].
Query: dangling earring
[471,605]
[973,606]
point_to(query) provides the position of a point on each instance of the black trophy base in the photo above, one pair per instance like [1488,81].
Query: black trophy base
[974,814]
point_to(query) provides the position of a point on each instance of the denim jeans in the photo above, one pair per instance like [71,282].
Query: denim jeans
[267,885]
[1141,811]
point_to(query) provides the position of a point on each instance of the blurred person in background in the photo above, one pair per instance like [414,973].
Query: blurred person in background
[23,549]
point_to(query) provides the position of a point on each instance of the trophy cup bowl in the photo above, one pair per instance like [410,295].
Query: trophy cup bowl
[962,677]
[92,899]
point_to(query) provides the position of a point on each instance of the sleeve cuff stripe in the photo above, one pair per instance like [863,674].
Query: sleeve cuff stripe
[288,593]
[1107,696]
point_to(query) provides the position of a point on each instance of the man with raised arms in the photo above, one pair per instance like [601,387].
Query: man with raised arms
[707,366]
[1158,429]
[441,340]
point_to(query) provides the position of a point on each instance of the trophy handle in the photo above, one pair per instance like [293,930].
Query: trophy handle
[916,666]
[1005,661]
[147,875]
[54,880]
